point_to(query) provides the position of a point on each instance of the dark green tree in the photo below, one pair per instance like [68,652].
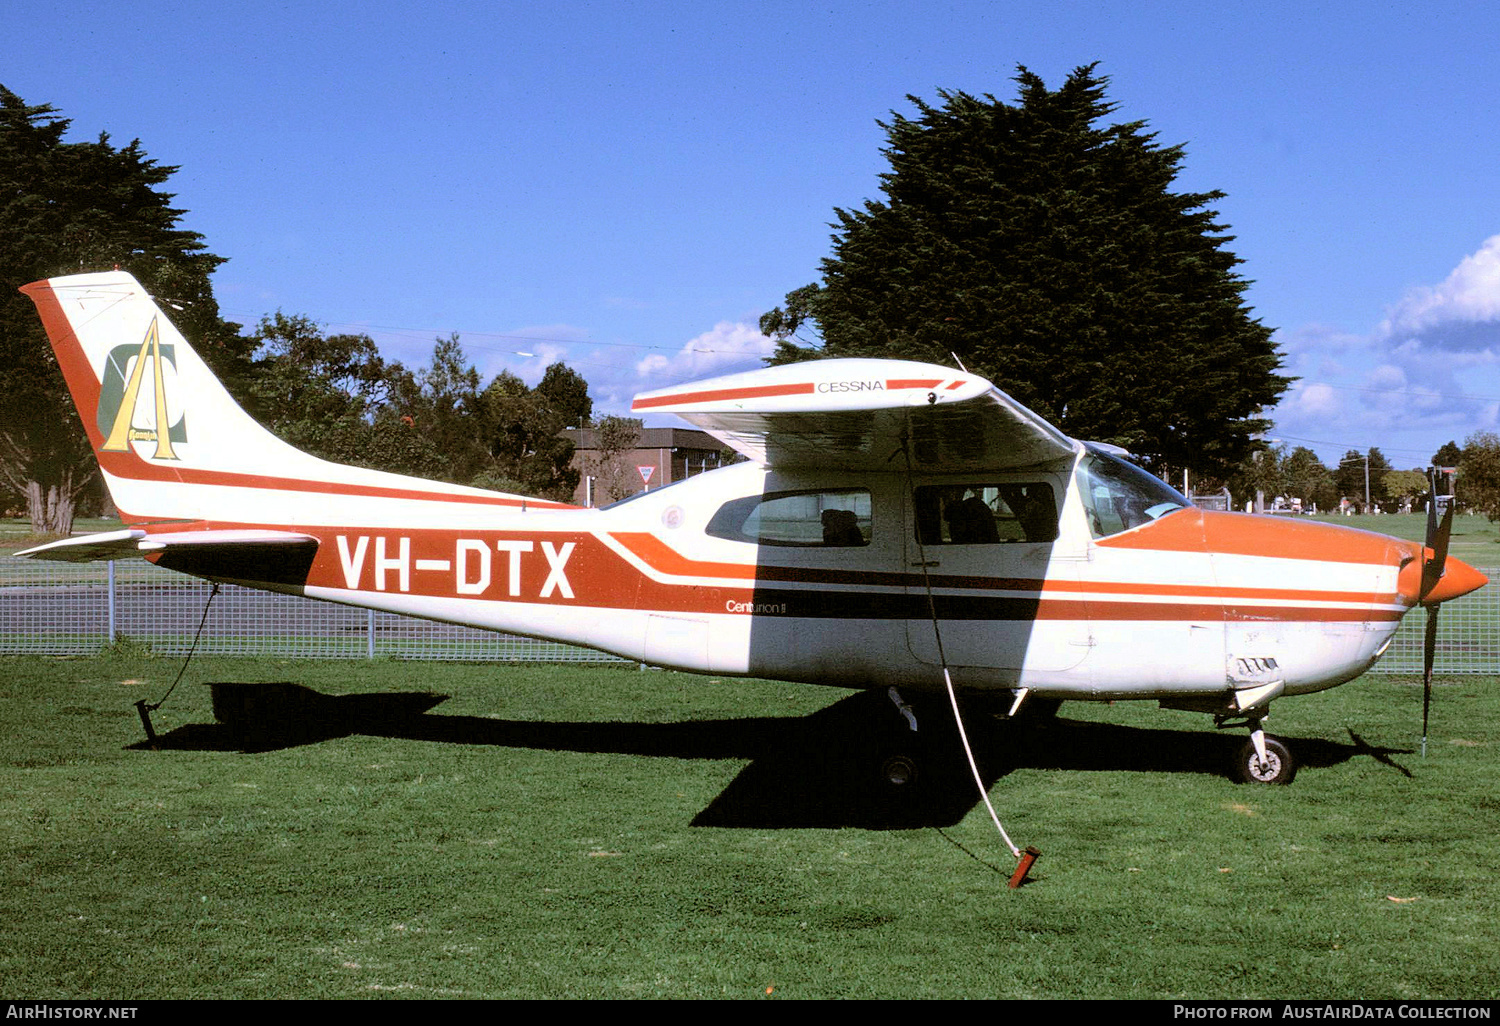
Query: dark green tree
[336,397]
[1046,250]
[567,395]
[614,477]
[1262,476]
[1350,478]
[67,208]
[1380,469]
[526,453]
[450,411]
[1447,456]
[1309,480]
[1479,474]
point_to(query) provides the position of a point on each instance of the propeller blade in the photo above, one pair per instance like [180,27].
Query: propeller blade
[1438,533]
[1432,518]
[1429,649]
[1437,540]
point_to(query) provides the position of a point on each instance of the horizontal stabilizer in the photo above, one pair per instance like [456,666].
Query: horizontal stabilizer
[136,542]
[90,548]
[278,559]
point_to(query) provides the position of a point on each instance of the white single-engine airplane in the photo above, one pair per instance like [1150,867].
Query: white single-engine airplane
[896,523]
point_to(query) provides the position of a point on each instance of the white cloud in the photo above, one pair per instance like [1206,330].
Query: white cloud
[1463,312]
[526,351]
[1424,375]
[1386,376]
[730,346]
[1313,401]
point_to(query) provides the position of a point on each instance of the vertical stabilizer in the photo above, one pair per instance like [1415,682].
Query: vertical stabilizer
[172,442]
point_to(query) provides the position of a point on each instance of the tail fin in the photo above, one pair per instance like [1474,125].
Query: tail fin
[174,445]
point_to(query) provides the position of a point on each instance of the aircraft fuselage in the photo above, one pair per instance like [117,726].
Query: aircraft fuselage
[733,572]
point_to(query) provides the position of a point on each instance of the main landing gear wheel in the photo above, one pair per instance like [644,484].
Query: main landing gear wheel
[1278,767]
[898,771]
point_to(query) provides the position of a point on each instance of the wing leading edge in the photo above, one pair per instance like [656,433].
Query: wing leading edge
[856,414]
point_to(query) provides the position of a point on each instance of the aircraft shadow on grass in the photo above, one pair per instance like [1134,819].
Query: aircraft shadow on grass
[820,770]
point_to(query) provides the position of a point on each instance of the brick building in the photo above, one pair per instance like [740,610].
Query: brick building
[662,455]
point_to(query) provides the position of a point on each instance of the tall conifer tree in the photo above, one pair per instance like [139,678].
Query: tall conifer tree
[68,208]
[1046,249]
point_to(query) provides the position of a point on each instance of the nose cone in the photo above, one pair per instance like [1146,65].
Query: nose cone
[1459,578]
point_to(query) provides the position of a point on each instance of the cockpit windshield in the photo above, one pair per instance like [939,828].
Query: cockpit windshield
[1118,495]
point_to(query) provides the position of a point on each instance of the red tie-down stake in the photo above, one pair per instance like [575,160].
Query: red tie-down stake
[1029,856]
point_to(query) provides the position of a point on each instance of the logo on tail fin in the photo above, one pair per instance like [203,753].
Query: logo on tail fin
[118,398]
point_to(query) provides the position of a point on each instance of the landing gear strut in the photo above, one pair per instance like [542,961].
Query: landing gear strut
[899,759]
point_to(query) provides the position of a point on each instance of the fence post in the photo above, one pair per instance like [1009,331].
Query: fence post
[369,634]
[112,635]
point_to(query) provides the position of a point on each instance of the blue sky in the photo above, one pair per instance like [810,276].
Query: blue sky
[628,186]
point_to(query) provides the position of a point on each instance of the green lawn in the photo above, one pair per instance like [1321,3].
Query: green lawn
[1473,539]
[572,832]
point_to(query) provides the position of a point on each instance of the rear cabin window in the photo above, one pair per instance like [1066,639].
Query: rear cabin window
[812,519]
[986,514]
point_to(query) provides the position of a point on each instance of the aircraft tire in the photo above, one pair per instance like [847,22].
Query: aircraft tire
[898,772]
[1279,767]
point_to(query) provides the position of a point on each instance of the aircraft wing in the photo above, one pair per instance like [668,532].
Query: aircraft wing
[855,414]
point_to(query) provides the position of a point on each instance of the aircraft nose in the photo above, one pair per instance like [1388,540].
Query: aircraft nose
[1459,578]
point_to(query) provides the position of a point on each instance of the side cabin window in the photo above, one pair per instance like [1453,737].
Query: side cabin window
[1118,495]
[986,514]
[812,519]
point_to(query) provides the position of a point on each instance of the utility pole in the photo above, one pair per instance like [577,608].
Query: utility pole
[1366,458]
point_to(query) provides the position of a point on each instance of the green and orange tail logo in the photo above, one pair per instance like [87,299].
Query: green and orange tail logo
[118,398]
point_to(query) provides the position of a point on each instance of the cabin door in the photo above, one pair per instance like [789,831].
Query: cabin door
[1005,590]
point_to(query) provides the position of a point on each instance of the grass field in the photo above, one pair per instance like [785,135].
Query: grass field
[604,833]
[1474,539]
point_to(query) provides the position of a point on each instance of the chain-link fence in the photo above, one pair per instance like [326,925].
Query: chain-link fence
[77,608]
[1468,637]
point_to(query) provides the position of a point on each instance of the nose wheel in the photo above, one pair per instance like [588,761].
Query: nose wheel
[1264,760]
